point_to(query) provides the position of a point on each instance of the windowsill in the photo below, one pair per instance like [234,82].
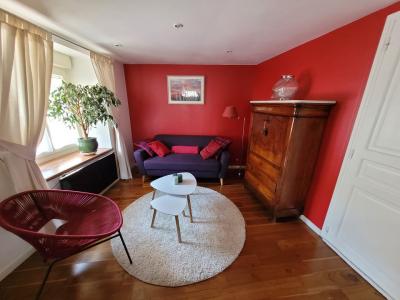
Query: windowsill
[62,165]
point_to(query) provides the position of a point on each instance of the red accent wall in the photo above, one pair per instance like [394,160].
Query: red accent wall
[224,85]
[335,66]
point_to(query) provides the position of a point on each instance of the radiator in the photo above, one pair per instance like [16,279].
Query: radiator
[93,178]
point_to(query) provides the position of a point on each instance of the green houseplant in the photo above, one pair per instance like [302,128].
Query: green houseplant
[82,106]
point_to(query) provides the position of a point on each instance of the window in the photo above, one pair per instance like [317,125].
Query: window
[57,137]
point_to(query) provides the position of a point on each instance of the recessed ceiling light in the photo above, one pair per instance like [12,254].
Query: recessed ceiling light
[228,51]
[178,25]
[118,45]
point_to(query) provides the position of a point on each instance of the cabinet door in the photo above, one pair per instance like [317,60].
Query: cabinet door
[269,137]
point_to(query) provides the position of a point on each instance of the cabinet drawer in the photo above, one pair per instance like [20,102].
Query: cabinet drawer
[267,194]
[269,137]
[263,170]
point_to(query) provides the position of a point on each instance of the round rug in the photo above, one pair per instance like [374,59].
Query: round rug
[209,245]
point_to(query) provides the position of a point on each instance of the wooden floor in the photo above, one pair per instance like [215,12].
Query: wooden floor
[279,261]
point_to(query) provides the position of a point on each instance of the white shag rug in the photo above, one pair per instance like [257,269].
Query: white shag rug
[209,245]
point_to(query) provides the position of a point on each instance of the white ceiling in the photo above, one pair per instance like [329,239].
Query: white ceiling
[254,30]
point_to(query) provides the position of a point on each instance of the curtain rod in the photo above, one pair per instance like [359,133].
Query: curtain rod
[81,47]
[7,14]
[71,42]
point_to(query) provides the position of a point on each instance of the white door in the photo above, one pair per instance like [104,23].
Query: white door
[363,221]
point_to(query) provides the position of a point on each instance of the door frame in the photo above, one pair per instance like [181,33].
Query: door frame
[391,20]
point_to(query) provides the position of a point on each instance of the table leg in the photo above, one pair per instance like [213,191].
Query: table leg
[154,217]
[152,198]
[184,213]
[190,208]
[178,229]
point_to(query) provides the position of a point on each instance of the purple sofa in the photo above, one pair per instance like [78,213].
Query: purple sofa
[174,163]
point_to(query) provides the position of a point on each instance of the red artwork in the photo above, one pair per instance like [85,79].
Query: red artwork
[186,89]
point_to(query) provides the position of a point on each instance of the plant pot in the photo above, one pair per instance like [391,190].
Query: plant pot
[88,146]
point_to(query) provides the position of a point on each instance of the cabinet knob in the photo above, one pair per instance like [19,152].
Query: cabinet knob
[265,129]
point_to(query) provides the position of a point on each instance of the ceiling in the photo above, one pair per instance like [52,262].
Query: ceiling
[254,30]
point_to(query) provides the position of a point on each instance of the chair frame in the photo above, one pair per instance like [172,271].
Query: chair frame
[39,292]
[116,232]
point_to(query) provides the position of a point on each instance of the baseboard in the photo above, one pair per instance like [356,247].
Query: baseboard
[236,167]
[110,186]
[14,264]
[310,224]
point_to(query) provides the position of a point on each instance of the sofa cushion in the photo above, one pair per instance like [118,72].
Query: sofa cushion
[144,145]
[211,149]
[185,149]
[183,162]
[225,142]
[159,148]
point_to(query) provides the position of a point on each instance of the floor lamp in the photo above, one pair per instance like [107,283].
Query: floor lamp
[230,112]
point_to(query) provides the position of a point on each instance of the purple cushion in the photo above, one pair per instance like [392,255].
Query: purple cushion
[144,146]
[183,162]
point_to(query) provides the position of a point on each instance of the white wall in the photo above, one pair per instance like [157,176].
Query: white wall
[122,112]
[82,71]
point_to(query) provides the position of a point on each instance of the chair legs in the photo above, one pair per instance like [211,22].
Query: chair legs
[126,249]
[90,246]
[39,292]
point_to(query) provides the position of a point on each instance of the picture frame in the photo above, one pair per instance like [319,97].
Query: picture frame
[185,89]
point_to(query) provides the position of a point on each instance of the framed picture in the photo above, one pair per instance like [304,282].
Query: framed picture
[185,89]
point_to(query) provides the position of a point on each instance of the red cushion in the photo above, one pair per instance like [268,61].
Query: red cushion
[159,148]
[185,149]
[211,149]
[224,142]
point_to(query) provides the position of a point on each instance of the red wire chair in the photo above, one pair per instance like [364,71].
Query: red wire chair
[91,219]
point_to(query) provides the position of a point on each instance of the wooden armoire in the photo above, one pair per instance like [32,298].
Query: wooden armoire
[284,142]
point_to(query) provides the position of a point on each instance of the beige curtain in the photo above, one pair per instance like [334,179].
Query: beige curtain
[104,69]
[26,60]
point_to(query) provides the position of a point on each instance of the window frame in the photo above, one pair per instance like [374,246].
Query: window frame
[55,153]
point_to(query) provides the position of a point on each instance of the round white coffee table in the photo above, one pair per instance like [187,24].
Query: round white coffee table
[166,185]
[170,205]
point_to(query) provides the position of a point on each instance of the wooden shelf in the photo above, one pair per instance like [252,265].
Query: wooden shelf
[59,166]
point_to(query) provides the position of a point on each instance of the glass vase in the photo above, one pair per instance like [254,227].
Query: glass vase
[285,88]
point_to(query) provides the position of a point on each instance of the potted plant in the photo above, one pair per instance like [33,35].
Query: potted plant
[82,106]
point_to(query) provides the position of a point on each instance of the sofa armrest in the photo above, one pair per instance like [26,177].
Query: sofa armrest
[140,156]
[224,160]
